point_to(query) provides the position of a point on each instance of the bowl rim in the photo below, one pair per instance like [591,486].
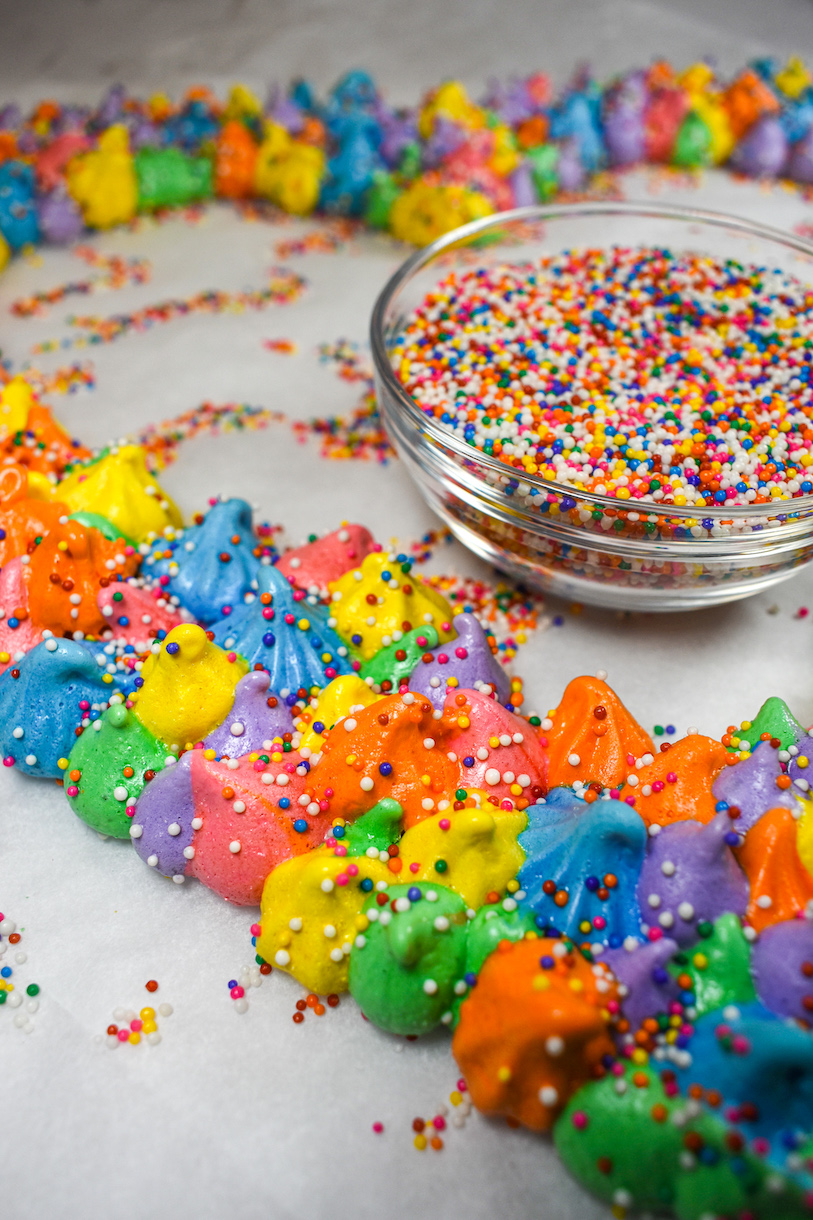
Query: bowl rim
[449,439]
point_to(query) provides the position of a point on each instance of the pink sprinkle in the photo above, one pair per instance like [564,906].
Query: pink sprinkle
[237,992]
[342,879]
[671,778]
[615,793]
[630,800]
[72,791]
[444,823]
[421,641]
[341,849]
[84,705]
[259,765]
[130,811]
[356,666]
[330,672]
[580,1120]
[461,653]
[352,870]
[442,658]
[414,866]
[8,761]
[378,1128]
[439,1122]
[135,1025]
[655,933]
[255,929]
[123,1035]
[324,806]
[462,1087]
[231,656]
[599,923]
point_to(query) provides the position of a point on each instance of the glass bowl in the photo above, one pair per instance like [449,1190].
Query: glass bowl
[634,555]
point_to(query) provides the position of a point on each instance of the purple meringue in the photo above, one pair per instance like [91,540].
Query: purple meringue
[763,151]
[778,963]
[251,722]
[751,786]
[642,970]
[476,665]
[690,875]
[59,218]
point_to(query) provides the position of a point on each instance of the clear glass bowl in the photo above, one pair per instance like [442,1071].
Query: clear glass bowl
[579,546]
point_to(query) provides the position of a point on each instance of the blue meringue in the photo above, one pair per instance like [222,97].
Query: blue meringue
[208,571]
[39,709]
[287,635]
[576,845]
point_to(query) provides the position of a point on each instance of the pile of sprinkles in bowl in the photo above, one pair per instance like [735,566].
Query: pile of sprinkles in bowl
[639,374]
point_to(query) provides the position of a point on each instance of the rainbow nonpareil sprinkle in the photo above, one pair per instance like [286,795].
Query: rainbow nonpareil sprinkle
[359,435]
[633,373]
[161,441]
[116,272]
[283,286]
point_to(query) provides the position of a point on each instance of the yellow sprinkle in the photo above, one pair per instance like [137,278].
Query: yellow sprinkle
[504,1075]
[541,982]
[455,1098]
[134,1038]
[420,1142]
[700,961]
[147,1014]
[62,763]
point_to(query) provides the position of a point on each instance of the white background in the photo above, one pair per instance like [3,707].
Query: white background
[254,1116]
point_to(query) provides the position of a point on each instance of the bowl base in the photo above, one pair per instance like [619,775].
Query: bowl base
[650,600]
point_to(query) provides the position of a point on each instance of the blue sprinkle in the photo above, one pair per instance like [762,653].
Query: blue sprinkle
[300,825]
[471,979]
[269,638]
[366,884]
[385,768]
[414,894]
[173,647]
[285,802]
